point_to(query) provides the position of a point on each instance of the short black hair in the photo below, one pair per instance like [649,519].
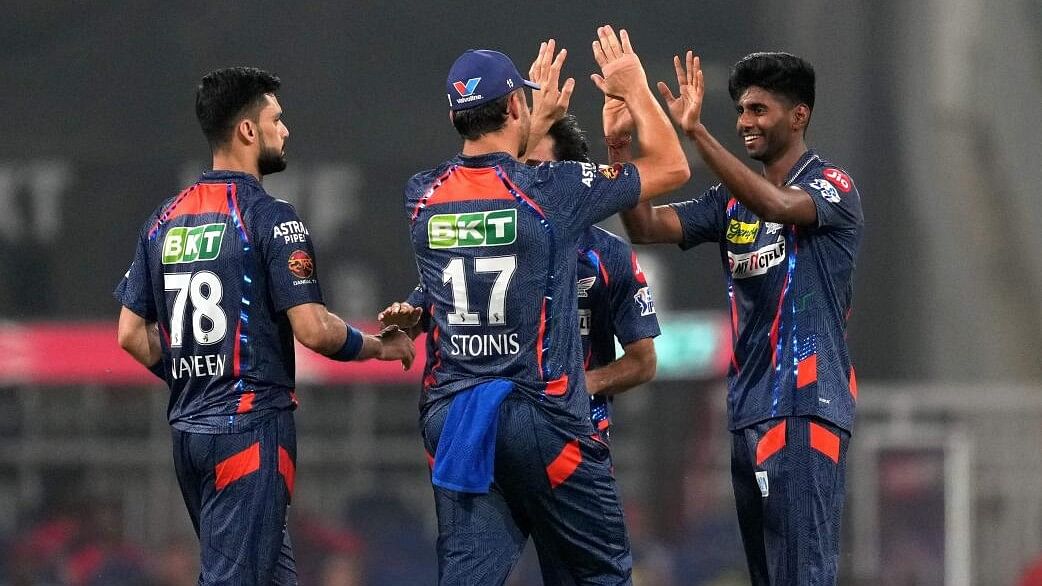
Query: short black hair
[473,123]
[569,140]
[779,73]
[224,95]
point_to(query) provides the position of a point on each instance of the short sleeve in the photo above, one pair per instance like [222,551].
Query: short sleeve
[134,291]
[587,193]
[835,196]
[632,306]
[701,219]
[289,256]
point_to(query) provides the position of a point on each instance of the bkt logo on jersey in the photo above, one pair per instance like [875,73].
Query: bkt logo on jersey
[643,299]
[185,244]
[496,228]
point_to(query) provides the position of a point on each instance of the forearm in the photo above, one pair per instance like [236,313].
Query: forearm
[659,147]
[618,376]
[767,201]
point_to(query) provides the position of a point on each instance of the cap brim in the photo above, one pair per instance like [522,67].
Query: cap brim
[532,84]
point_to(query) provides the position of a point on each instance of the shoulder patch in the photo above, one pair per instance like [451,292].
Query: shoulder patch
[838,178]
[610,171]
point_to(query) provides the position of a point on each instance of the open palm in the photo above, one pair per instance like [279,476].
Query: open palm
[686,107]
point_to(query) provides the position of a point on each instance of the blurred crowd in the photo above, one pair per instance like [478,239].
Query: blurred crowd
[374,542]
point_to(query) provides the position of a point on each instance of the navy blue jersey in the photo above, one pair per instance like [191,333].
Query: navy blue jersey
[790,291]
[217,267]
[614,302]
[495,242]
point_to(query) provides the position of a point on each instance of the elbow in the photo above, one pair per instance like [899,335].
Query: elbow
[648,363]
[679,173]
[125,339]
[640,236]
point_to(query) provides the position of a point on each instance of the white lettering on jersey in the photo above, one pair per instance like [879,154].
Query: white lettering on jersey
[484,344]
[757,262]
[205,365]
[588,170]
[292,231]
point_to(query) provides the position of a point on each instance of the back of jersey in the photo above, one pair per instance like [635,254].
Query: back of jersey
[201,273]
[495,246]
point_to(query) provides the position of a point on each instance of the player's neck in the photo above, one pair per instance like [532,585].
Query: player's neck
[236,161]
[777,171]
[493,142]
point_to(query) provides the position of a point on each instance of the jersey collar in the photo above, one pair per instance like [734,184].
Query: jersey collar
[801,165]
[226,176]
[485,160]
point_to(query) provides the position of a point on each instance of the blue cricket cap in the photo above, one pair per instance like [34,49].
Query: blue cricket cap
[480,76]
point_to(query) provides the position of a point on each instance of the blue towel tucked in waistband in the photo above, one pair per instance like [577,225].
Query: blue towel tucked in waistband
[467,447]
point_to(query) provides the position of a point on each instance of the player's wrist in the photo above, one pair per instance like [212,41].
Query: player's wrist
[351,348]
[618,141]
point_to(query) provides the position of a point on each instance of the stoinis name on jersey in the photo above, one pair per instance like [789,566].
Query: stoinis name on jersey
[495,228]
[191,244]
[757,262]
[292,231]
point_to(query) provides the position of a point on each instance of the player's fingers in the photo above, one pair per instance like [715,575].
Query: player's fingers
[627,47]
[533,70]
[698,82]
[555,68]
[692,66]
[599,82]
[679,69]
[598,54]
[602,37]
[665,92]
[613,41]
[566,93]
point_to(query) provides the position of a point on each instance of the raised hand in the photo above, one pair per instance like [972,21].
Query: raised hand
[400,314]
[621,70]
[616,118]
[550,103]
[396,345]
[686,108]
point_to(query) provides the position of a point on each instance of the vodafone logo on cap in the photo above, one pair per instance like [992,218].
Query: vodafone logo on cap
[838,178]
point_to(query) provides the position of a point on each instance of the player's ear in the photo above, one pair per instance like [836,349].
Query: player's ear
[246,131]
[800,117]
[514,106]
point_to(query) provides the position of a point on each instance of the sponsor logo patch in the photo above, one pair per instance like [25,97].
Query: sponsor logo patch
[742,233]
[826,189]
[190,244]
[761,481]
[301,265]
[466,89]
[757,262]
[839,179]
[644,301]
[496,228]
[772,227]
[610,171]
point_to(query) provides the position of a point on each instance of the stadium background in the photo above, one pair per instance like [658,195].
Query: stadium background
[932,107]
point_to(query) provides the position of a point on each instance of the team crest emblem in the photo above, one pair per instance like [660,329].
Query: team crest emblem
[609,171]
[466,89]
[301,265]
[584,285]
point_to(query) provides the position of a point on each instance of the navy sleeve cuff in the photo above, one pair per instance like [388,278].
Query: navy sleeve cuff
[351,348]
